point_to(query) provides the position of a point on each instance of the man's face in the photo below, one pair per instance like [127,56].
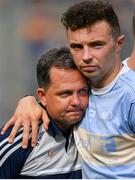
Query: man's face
[95,52]
[66,98]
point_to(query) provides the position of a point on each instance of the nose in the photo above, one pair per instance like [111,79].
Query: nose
[87,56]
[75,100]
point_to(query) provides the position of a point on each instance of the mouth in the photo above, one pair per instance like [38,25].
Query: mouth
[75,112]
[89,68]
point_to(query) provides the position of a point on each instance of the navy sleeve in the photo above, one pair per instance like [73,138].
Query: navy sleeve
[12,156]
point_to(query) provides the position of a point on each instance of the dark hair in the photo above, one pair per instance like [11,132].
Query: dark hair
[87,13]
[56,57]
[133,23]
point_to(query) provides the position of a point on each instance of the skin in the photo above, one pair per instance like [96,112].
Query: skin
[96,53]
[66,98]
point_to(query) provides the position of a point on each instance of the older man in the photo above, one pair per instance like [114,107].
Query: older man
[63,92]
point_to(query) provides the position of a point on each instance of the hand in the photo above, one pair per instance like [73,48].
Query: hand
[27,114]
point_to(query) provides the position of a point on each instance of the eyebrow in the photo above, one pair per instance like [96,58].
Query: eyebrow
[76,45]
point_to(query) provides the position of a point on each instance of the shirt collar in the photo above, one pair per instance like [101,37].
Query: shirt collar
[54,130]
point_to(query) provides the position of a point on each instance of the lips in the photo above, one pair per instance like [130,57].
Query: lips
[74,111]
[76,114]
[89,68]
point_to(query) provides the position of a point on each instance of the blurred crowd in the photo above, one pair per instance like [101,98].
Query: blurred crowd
[30,27]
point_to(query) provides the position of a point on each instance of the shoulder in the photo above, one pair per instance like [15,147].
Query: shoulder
[4,139]
[128,79]
[126,86]
[12,156]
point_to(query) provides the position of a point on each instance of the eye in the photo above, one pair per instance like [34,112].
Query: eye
[84,91]
[97,44]
[65,94]
[76,46]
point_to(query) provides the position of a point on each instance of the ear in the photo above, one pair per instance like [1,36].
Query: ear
[41,94]
[121,40]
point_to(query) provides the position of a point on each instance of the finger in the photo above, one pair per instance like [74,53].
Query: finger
[14,131]
[46,120]
[8,124]
[26,132]
[34,132]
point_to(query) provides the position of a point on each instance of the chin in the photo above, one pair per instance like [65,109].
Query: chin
[75,120]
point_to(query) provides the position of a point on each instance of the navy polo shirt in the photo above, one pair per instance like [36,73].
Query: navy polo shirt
[54,157]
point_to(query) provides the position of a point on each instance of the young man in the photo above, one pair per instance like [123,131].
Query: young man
[105,136]
[63,92]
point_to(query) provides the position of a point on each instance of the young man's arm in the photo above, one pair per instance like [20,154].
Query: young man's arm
[27,114]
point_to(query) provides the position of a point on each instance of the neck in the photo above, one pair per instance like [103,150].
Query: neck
[64,127]
[108,77]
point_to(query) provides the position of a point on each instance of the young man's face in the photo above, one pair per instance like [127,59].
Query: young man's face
[95,52]
[66,98]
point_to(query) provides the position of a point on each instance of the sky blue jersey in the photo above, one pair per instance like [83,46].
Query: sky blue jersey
[106,137]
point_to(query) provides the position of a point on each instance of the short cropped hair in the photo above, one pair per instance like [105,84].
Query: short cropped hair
[56,57]
[87,13]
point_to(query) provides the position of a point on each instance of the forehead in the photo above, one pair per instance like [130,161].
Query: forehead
[66,77]
[98,30]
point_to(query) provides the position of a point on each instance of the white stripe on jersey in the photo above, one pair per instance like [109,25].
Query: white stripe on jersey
[5,140]
[9,153]
[8,146]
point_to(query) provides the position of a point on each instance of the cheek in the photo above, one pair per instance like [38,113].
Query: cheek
[85,102]
[103,58]
[109,52]
[57,109]
[77,61]
[109,59]
[76,57]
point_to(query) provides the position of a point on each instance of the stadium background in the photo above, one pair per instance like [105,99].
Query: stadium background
[30,27]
